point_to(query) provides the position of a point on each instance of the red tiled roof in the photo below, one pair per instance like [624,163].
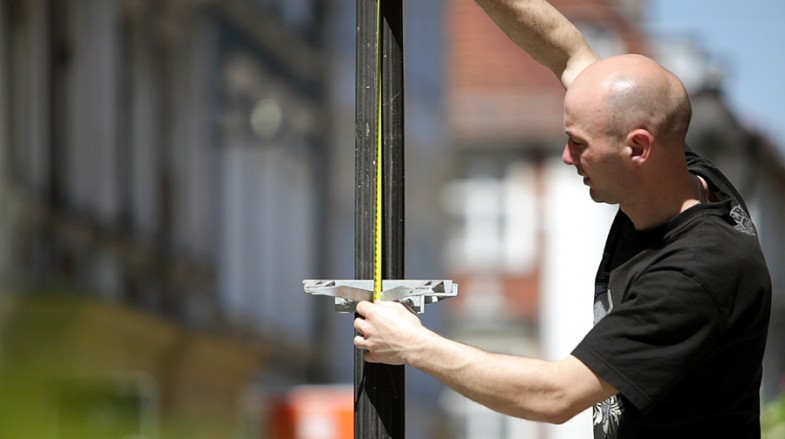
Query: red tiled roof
[496,92]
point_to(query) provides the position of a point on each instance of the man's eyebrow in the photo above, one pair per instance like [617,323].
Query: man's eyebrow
[574,136]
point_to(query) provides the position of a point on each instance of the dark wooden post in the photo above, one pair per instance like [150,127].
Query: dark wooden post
[379,389]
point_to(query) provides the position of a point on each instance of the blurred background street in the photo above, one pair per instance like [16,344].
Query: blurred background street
[171,170]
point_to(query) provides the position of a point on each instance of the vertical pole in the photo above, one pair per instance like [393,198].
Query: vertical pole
[378,388]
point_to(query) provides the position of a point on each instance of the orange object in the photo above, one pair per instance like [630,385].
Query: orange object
[313,412]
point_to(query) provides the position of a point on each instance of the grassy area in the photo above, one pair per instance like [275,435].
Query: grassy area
[773,419]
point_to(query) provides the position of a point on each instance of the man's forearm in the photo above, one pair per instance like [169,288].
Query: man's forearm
[528,388]
[544,33]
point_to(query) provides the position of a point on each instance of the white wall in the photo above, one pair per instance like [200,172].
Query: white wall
[575,228]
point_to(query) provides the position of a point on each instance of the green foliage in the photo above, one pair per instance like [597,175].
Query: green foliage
[773,419]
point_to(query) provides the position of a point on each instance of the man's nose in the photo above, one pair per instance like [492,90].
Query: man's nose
[567,156]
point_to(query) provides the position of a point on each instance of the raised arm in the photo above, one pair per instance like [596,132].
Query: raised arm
[542,31]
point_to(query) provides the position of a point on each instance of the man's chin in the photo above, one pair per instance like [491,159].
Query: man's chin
[598,198]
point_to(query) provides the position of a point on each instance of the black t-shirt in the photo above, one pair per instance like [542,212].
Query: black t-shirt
[681,317]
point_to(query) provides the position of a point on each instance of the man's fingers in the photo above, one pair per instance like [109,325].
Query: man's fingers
[361,343]
[362,307]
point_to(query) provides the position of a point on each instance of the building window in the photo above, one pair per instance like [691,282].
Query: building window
[494,221]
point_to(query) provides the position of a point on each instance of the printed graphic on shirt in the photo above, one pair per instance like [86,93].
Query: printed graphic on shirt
[603,303]
[743,221]
[607,414]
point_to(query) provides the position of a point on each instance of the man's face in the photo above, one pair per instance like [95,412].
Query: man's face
[596,154]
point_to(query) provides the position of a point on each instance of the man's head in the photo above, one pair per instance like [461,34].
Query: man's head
[626,119]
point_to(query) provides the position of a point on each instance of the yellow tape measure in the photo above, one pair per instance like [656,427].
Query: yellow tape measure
[377,255]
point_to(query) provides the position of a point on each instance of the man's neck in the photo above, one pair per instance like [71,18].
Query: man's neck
[665,204]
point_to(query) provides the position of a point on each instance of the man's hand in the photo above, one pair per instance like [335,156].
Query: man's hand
[388,331]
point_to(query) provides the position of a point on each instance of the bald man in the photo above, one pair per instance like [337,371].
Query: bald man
[682,295]
[626,119]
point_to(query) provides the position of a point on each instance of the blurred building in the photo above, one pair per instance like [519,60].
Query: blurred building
[162,178]
[171,170]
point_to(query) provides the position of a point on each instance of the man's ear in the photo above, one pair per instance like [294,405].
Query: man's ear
[640,142]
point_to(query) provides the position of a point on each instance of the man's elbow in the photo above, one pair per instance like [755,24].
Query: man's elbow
[576,64]
[552,408]
[559,413]
[574,388]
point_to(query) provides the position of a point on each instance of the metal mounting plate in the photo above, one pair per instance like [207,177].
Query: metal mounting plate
[413,293]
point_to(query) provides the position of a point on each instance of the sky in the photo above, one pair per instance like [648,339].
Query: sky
[747,38]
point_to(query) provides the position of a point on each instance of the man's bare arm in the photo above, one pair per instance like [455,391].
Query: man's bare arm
[543,32]
[528,388]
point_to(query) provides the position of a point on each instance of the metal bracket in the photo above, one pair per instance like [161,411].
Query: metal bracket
[413,293]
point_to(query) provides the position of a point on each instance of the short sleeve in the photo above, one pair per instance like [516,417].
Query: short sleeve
[666,324]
